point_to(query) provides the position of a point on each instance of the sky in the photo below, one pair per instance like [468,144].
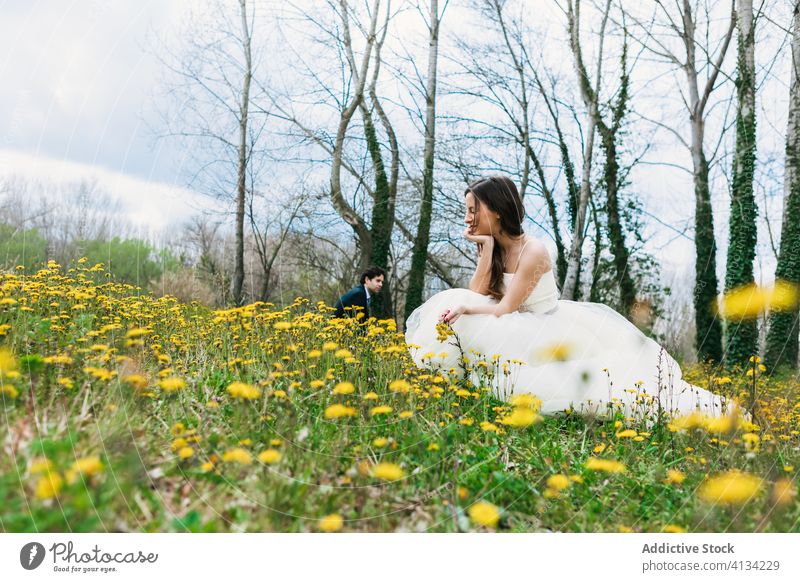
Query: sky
[79,100]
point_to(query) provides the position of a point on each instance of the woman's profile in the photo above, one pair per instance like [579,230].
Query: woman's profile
[571,355]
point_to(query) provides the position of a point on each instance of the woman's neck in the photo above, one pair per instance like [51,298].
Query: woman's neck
[507,242]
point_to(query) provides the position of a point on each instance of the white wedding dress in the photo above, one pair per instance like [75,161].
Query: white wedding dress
[577,355]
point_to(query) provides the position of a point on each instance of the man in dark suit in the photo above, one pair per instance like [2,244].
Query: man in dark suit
[361,295]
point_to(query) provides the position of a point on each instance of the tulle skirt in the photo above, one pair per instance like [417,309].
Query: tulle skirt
[577,356]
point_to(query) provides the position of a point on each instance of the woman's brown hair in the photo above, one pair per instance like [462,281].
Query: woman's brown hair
[500,195]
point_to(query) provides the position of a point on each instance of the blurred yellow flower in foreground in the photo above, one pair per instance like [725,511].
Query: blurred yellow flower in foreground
[484,513]
[731,488]
[344,388]
[558,482]
[269,456]
[49,485]
[605,465]
[387,471]
[558,352]
[783,492]
[675,477]
[331,523]
[526,400]
[172,384]
[87,467]
[243,391]
[521,417]
[237,455]
[8,363]
[750,301]
[339,410]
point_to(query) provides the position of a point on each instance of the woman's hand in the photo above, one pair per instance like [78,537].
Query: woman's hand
[481,239]
[452,314]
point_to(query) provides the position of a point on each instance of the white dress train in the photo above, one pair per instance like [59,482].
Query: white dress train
[577,355]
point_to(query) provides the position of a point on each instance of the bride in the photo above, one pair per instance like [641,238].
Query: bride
[571,355]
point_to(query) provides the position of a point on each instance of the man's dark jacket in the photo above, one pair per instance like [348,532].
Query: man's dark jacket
[356,296]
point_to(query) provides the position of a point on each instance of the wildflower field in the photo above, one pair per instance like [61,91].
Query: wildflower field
[126,412]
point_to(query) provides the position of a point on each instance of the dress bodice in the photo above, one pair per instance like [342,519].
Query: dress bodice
[544,296]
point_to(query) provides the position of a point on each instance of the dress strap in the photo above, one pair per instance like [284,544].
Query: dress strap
[520,253]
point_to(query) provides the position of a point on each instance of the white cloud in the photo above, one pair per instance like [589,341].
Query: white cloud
[152,207]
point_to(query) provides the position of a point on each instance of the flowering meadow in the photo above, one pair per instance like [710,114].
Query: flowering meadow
[126,412]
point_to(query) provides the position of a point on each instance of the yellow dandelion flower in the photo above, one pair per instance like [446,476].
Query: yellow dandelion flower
[673,528]
[526,401]
[344,388]
[558,352]
[750,301]
[49,485]
[783,492]
[41,465]
[237,455]
[730,488]
[87,467]
[243,391]
[136,332]
[484,513]
[522,417]
[8,363]
[185,452]
[138,381]
[675,477]
[383,409]
[558,482]
[172,384]
[687,422]
[380,442]
[720,424]
[605,465]
[339,410]
[387,471]
[331,523]
[626,434]
[488,426]
[269,456]
[400,386]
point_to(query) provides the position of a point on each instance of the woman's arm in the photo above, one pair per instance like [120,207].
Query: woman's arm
[530,270]
[483,271]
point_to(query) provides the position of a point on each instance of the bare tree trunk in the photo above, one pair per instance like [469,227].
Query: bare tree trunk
[742,336]
[608,133]
[709,329]
[241,190]
[359,73]
[570,288]
[782,337]
[385,193]
[416,277]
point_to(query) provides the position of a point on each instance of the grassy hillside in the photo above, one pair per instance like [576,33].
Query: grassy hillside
[124,412]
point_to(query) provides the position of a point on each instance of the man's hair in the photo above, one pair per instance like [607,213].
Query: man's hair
[371,273]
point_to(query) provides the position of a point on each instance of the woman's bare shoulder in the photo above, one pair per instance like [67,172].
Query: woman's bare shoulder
[536,254]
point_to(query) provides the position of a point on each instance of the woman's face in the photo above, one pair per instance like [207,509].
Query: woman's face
[479,218]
